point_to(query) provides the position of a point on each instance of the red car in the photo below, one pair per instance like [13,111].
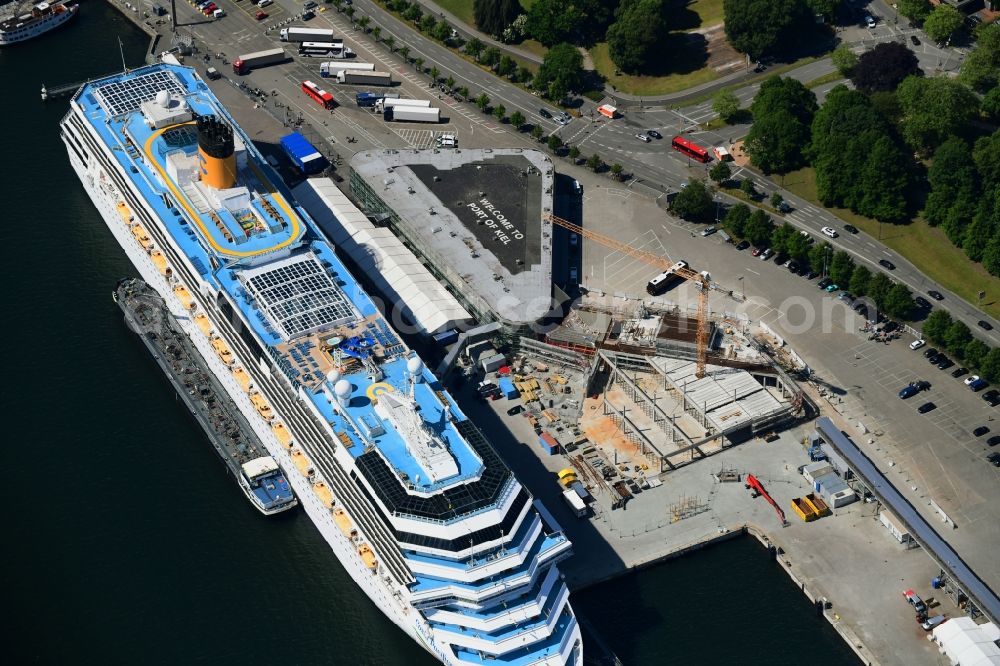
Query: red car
[260,16]
[207,11]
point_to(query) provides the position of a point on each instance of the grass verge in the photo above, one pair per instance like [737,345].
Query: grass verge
[696,73]
[826,78]
[926,247]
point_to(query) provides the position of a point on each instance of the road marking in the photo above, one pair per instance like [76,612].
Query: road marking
[750,270]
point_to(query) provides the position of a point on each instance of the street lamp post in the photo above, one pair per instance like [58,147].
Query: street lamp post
[743,292]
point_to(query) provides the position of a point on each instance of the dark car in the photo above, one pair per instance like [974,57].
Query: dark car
[544,114]
[980,431]
[811,275]
[926,407]
[759,67]
[931,352]
[850,228]
[958,372]
[922,302]
[944,362]
[994,458]
[922,385]
[310,5]
[935,358]
[994,440]
[781,258]
[308,15]
[886,264]
[654,134]
[742,245]
[992,396]
[824,283]
[890,327]
[985,325]
[908,391]
[915,40]
[516,409]
[936,295]
[793,266]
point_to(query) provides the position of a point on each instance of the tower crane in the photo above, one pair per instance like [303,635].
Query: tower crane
[661,262]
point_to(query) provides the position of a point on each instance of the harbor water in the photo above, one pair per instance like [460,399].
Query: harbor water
[126,543]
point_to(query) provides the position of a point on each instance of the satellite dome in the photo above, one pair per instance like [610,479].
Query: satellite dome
[333,376]
[414,366]
[163,99]
[342,388]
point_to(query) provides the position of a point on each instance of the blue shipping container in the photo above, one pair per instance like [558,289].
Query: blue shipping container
[366,98]
[303,154]
[507,388]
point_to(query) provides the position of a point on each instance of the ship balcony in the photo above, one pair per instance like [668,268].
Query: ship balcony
[511,637]
[562,647]
[498,616]
[429,589]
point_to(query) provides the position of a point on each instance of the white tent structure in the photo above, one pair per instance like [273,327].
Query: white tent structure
[966,643]
[389,264]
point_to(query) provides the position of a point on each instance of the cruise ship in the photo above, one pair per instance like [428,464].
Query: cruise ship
[407,491]
[43,17]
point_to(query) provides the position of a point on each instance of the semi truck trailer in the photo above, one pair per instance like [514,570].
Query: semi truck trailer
[328,69]
[301,34]
[392,103]
[355,77]
[412,114]
[245,64]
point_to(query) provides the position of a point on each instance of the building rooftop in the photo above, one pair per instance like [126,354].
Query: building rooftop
[478,212]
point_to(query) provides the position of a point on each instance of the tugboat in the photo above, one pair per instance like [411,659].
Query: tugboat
[43,17]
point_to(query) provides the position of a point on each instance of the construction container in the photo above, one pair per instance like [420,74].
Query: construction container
[548,443]
[507,388]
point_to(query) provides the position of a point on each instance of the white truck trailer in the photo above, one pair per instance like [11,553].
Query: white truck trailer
[384,104]
[412,114]
[301,34]
[328,69]
[355,77]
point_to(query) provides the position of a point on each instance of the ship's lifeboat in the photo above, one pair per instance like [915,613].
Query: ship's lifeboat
[142,237]
[344,523]
[222,350]
[204,324]
[160,262]
[323,493]
[367,556]
[281,434]
[125,213]
[242,378]
[301,462]
[261,406]
[185,297]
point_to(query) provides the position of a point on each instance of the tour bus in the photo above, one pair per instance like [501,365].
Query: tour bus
[692,150]
[665,280]
[322,97]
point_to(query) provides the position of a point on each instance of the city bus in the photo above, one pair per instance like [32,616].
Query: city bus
[665,280]
[692,150]
[322,97]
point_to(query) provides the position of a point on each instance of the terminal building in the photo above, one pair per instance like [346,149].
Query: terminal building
[475,217]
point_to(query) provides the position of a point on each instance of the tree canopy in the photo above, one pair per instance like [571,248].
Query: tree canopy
[762,27]
[942,23]
[884,67]
[494,16]
[726,104]
[914,9]
[981,68]
[783,111]
[954,190]
[636,36]
[561,71]
[934,109]
[577,21]
[694,202]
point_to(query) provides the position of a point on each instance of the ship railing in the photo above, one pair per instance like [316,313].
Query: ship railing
[505,494]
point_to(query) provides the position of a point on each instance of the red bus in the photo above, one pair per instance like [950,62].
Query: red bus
[321,96]
[692,150]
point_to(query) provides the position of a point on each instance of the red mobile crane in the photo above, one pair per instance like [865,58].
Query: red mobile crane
[752,483]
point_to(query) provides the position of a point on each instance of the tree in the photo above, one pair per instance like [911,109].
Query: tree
[914,9]
[777,200]
[990,104]
[636,36]
[418,63]
[499,111]
[435,73]
[748,188]
[935,109]
[720,172]
[841,268]
[427,23]
[942,23]
[581,21]
[524,75]
[884,67]
[886,180]
[989,365]
[937,325]
[694,202]
[554,142]
[859,280]
[878,289]
[574,153]
[977,235]
[819,257]
[780,237]
[491,57]
[413,13]
[759,228]
[957,336]
[390,41]
[776,141]
[898,302]
[442,31]
[350,12]
[450,82]
[493,16]
[735,220]
[561,71]
[797,247]
[951,170]
[616,171]
[517,120]
[463,92]
[404,52]
[376,33]
[474,47]
[363,22]
[483,102]
[727,105]
[594,162]
[760,27]
[844,59]
[982,66]
[506,66]
[536,132]
[975,353]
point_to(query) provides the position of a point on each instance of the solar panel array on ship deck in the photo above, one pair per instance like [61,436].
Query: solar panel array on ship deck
[454,501]
[298,295]
[120,97]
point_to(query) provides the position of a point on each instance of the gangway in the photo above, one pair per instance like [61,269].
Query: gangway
[752,483]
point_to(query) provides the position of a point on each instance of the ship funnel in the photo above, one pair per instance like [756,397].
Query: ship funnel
[217,153]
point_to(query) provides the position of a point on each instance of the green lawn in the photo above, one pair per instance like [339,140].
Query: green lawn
[710,11]
[926,247]
[463,8]
[691,72]
[826,78]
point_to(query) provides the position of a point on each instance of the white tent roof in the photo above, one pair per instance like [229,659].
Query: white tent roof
[393,268]
[966,643]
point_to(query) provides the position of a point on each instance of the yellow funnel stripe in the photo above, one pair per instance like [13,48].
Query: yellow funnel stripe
[296,227]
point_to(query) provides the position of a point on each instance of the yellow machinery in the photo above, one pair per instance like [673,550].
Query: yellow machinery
[663,263]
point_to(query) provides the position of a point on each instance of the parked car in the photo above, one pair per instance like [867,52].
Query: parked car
[870,21]
[926,407]
[811,275]
[971,379]
[931,352]
[921,302]
[978,385]
[958,372]
[642,137]
[917,344]
[829,231]
[932,622]
[654,134]
[264,3]
[793,266]
[944,362]
[742,245]
[886,264]
[915,601]
[832,287]
[846,297]
[936,295]
[993,441]
[544,114]
[824,283]
[757,251]
[260,16]
[850,228]
[992,397]
[707,231]
[310,5]
[994,459]
[985,325]
[908,391]
[308,15]
[516,409]
[980,431]
[766,254]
